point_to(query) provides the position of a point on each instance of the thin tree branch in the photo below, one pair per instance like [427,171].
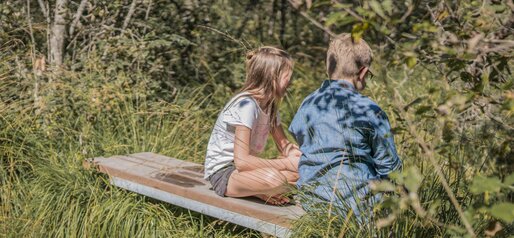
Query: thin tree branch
[349,11]
[283,22]
[147,14]
[31,31]
[44,10]
[312,20]
[410,8]
[272,18]
[46,13]
[131,11]
[33,51]
[76,18]
[226,35]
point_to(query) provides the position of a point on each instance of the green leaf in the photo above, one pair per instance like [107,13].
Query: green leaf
[503,211]
[388,6]
[498,8]
[483,184]
[413,179]
[335,17]
[375,5]
[434,207]
[382,186]
[411,61]
[342,6]
[358,29]
[484,83]
[424,26]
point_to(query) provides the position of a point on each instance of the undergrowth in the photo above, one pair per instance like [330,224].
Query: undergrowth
[46,192]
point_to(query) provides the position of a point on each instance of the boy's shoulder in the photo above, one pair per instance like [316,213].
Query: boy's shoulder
[350,99]
[310,98]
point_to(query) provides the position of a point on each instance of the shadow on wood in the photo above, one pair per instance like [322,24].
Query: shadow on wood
[181,183]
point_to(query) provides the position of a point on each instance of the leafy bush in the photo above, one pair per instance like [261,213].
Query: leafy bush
[156,84]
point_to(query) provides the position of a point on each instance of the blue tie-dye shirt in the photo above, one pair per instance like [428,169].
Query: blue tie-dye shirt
[346,141]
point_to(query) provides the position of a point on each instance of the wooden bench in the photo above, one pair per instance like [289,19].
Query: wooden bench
[181,183]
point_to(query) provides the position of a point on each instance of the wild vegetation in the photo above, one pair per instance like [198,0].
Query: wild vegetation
[81,79]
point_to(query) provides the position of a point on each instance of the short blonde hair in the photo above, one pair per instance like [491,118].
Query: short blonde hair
[345,57]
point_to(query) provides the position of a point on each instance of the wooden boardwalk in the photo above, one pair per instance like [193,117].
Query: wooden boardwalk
[181,183]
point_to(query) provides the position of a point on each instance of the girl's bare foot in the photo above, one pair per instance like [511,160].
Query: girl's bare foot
[273,200]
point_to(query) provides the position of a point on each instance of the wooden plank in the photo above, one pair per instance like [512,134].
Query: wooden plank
[220,213]
[181,183]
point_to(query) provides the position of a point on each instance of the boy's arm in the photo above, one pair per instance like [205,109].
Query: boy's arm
[383,149]
[244,161]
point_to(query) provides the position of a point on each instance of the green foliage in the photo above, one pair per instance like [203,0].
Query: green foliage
[456,36]
[503,211]
[484,184]
[443,76]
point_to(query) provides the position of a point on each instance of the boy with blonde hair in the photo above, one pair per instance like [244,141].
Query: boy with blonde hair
[344,136]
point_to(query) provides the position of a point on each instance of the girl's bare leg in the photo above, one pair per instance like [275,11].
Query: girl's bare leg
[291,177]
[265,183]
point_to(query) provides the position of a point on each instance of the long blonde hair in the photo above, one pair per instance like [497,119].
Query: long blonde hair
[264,67]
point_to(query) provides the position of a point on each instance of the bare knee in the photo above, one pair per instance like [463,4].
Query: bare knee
[267,181]
[291,177]
[274,178]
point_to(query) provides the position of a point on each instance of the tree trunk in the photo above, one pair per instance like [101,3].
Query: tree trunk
[58,33]
[283,12]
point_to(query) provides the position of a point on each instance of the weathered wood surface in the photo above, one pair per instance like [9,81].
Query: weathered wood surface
[181,183]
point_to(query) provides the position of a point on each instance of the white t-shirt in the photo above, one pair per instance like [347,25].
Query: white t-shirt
[243,110]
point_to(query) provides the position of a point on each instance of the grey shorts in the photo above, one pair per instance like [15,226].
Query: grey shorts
[219,180]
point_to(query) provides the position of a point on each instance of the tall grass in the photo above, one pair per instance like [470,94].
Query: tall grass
[455,142]
[46,192]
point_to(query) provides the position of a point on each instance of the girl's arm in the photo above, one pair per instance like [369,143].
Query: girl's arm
[244,161]
[285,147]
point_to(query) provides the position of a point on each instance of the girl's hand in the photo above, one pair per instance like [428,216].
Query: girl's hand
[293,165]
[290,164]
[292,151]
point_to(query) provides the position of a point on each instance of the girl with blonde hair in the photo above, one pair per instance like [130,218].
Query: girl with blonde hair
[232,163]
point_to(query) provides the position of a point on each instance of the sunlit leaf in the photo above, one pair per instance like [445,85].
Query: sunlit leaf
[342,6]
[443,15]
[382,186]
[375,5]
[335,18]
[388,6]
[413,179]
[503,211]
[358,30]
[509,180]
[411,61]
[483,184]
